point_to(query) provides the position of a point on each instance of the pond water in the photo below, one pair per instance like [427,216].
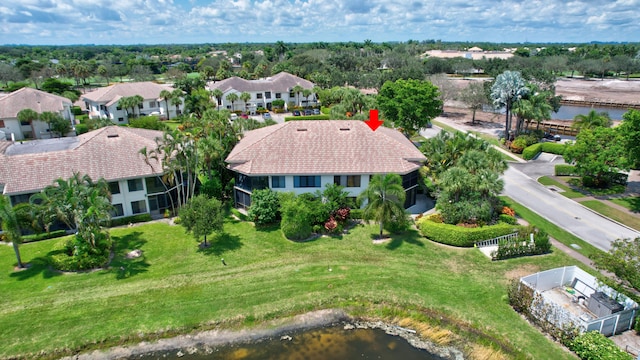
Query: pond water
[333,343]
[568,112]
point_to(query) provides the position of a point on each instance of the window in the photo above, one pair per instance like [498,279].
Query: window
[114,187]
[120,119]
[153,104]
[139,207]
[259,96]
[1,123]
[267,94]
[278,182]
[25,123]
[117,210]
[337,179]
[135,185]
[306,181]
[118,107]
[278,95]
[353,181]
[410,180]
[292,94]
[141,106]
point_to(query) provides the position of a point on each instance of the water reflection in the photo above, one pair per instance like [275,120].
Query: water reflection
[568,112]
[333,343]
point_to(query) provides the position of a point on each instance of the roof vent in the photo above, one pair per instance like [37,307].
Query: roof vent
[112,135]
[301,129]
[345,129]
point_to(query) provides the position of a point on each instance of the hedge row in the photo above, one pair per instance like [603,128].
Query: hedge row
[565,170]
[462,236]
[44,236]
[532,151]
[308,117]
[594,345]
[130,220]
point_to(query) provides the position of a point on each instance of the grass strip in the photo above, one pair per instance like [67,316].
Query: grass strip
[630,220]
[568,192]
[632,203]
[553,230]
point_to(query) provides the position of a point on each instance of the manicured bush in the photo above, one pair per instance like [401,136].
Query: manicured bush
[76,110]
[518,145]
[462,236]
[265,207]
[398,225]
[308,117]
[554,148]
[356,214]
[531,151]
[508,219]
[130,220]
[595,346]
[147,122]
[565,170]
[296,217]
[64,256]
[44,236]
[81,129]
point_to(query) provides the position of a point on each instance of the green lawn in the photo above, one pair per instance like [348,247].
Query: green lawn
[554,231]
[175,287]
[568,192]
[632,203]
[172,124]
[615,214]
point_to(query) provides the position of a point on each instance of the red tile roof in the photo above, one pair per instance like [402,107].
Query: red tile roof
[324,147]
[111,153]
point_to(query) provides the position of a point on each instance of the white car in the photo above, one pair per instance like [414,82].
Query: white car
[233,117]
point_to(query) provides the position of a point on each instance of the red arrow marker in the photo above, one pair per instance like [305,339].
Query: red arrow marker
[373,121]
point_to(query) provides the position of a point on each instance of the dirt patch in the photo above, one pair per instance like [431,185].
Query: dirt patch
[607,90]
[522,271]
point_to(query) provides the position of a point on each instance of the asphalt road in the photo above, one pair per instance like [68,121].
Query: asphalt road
[593,228]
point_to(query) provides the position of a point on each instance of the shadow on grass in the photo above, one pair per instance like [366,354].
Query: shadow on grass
[37,266]
[123,266]
[410,237]
[268,228]
[220,244]
[634,203]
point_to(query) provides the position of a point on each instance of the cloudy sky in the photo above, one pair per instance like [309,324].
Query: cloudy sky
[61,22]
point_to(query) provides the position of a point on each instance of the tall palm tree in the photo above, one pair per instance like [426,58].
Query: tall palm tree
[592,120]
[166,95]
[125,103]
[176,99]
[508,88]
[136,101]
[385,199]
[297,90]
[233,97]
[11,226]
[245,97]
[218,94]
[306,93]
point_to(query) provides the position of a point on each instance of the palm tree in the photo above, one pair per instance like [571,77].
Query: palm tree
[136,101]
[306,93]
[166,95]
[11,226]
[592,120]
[245,97]
[233,97]
[508,88]
[176,99]
[28,116]
[297,90]
[218,94]
[385,199]
[125,103]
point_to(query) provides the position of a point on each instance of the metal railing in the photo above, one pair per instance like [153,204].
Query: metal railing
[496,241]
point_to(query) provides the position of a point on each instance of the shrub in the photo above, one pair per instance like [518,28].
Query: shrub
[76,110]
[523,245]
[265,207]
[565,170]
[296,219]
[44,236]
[508,211]
[356,214]
[130,220]
[435,217]
[518,145]
[462,236]
[308,117]
[147,122]
[531,151]
[65,256]
[398,225]
[81,129]
[554,148]
[595,346]
[507,219]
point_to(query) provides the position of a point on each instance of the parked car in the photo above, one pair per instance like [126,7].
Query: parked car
[316,111]
[308,112]
[296,112]
[266,116]
[233,116]
[244,116]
